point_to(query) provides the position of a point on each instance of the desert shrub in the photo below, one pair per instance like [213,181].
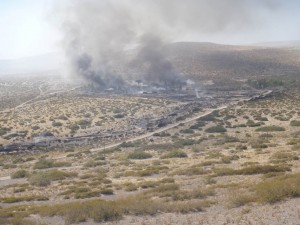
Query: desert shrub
[39,180]
[47,163]
[86,194]
[229,139]
[57,124]
[251,170]
[216,129]
[84,123]
[209,117]
[187,131]
[35,127]
[4,130]
[184,142]
[127,145]
[107,191]
[214,155]
[19,174]
[175,154]
[162,134]
[242,199]
[44,178]
[282,157]
[191,194]
[15,199]
[260,118]
[93,163]
[191,171]
[130,187]
[295,123]
[119,116]
[62,117]
[251,123]
[149,184]
[228,159]
[74,127]
[101,211]
[241,147]
[166,188]
[270,129]
[279,188]
[139,155]
[198,125]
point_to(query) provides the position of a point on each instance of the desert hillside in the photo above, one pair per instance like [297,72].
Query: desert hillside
[212,60]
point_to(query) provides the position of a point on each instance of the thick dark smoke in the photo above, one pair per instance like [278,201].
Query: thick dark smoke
[159,70]
[99,34]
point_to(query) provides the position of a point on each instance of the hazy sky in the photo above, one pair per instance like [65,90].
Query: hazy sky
[27,27]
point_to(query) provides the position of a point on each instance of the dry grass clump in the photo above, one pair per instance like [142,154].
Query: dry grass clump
[241,199]
[101,211]
[47,163]
[174,154]
[139,155]
[43,179]
[282,157]
[19,174]
[270,129]
[216,129]
[295,123]
[251,170]
[149,171]
[279,188]
[15,199]
[190,171]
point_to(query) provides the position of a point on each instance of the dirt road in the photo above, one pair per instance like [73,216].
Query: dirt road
[171,126]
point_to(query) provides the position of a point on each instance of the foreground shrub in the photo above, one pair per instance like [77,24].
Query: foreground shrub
[279,188]
[101,211]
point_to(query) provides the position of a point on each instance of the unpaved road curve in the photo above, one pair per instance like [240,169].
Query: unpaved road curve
[171,126]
